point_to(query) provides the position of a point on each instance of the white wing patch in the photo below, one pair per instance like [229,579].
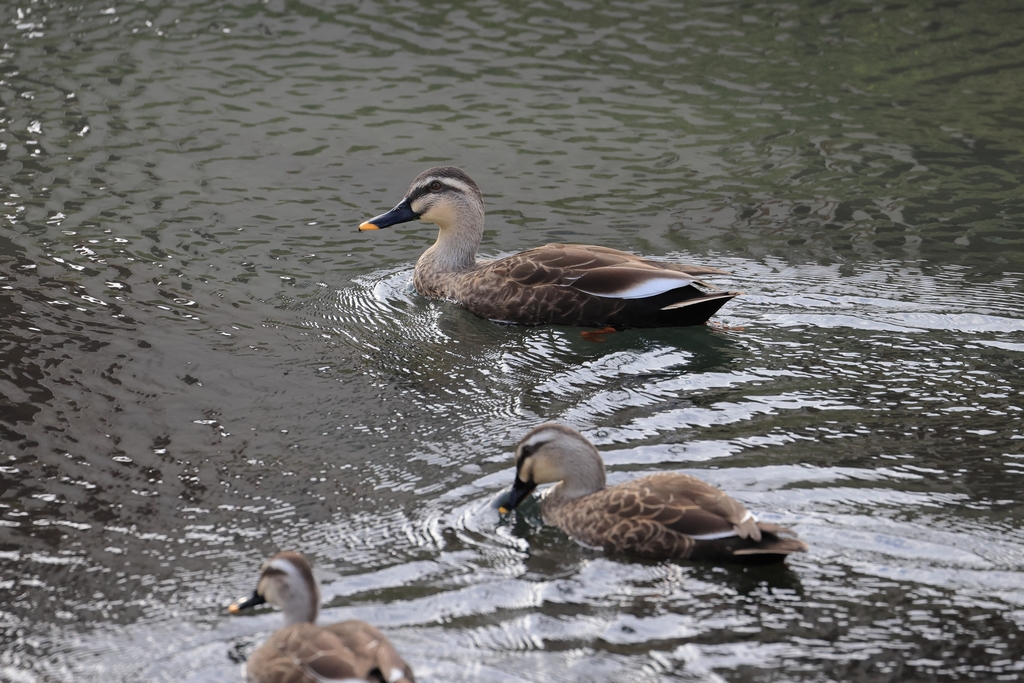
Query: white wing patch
[724,534]
[641,290]
[713,537]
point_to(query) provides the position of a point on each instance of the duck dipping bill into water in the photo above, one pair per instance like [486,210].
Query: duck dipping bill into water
[566,284]
[658,517]
[303,652]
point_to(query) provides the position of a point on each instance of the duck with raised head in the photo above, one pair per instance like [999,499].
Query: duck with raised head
[565,284]
[303,652]
[658,517]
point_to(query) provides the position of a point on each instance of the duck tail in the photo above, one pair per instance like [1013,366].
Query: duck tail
[774,546]
[702,301]
[775,540]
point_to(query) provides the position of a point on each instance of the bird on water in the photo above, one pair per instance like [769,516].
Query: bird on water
[658,517]
[565,284]
[303,652]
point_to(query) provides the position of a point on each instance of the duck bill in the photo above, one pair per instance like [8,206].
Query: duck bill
[402,213]
[516,495]
[251,601]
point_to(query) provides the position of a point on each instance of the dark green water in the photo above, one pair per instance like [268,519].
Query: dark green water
[202,361]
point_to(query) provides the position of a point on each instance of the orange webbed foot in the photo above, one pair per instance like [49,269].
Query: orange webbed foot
[597,335]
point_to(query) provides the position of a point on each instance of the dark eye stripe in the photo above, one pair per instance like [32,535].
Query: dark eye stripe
[428,189]
[526,451]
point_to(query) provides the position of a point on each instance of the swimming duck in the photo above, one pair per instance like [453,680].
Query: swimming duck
[303,652]
[566,284]
[661,516]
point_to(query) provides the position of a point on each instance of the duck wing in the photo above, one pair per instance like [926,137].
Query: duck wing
[302,652]
[584,285]
[672,516]
[376,653]
[696,500]
[687,268]
[599,271]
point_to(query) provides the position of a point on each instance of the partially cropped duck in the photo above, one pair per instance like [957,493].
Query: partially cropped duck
[661,516]
[303,652]
[567,284]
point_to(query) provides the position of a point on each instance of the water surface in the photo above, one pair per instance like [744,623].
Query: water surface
[203,362]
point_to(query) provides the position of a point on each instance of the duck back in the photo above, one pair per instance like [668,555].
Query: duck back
[671,516]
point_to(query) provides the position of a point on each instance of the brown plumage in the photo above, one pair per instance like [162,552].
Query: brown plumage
[568,284]
[303,652]
[661,516]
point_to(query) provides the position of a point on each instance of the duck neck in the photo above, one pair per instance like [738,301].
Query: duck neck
[302,606]
[583,482]
[455,248]
[303,615]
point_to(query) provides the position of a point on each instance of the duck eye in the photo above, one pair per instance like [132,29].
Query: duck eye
[436,186]
[529,449]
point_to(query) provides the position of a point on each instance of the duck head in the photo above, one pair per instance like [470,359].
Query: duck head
[286,580]
[443,195]
[555,453]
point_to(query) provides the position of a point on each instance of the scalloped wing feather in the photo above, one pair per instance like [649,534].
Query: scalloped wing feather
[669,515]
[300,653]
[578,285]
[688,269]
[606,271]
[346,651]
[706,497]
[374,649]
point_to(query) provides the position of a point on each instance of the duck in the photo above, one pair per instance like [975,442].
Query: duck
[559,284]
[303,652]
[666,516]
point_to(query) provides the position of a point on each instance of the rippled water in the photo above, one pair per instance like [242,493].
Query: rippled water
[203,362]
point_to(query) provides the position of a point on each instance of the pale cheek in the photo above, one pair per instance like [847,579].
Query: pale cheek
[526,473]
[543,473]
[442,215]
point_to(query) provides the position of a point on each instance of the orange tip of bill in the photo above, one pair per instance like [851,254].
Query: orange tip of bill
[503,510]
[367,225]
[233,609]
